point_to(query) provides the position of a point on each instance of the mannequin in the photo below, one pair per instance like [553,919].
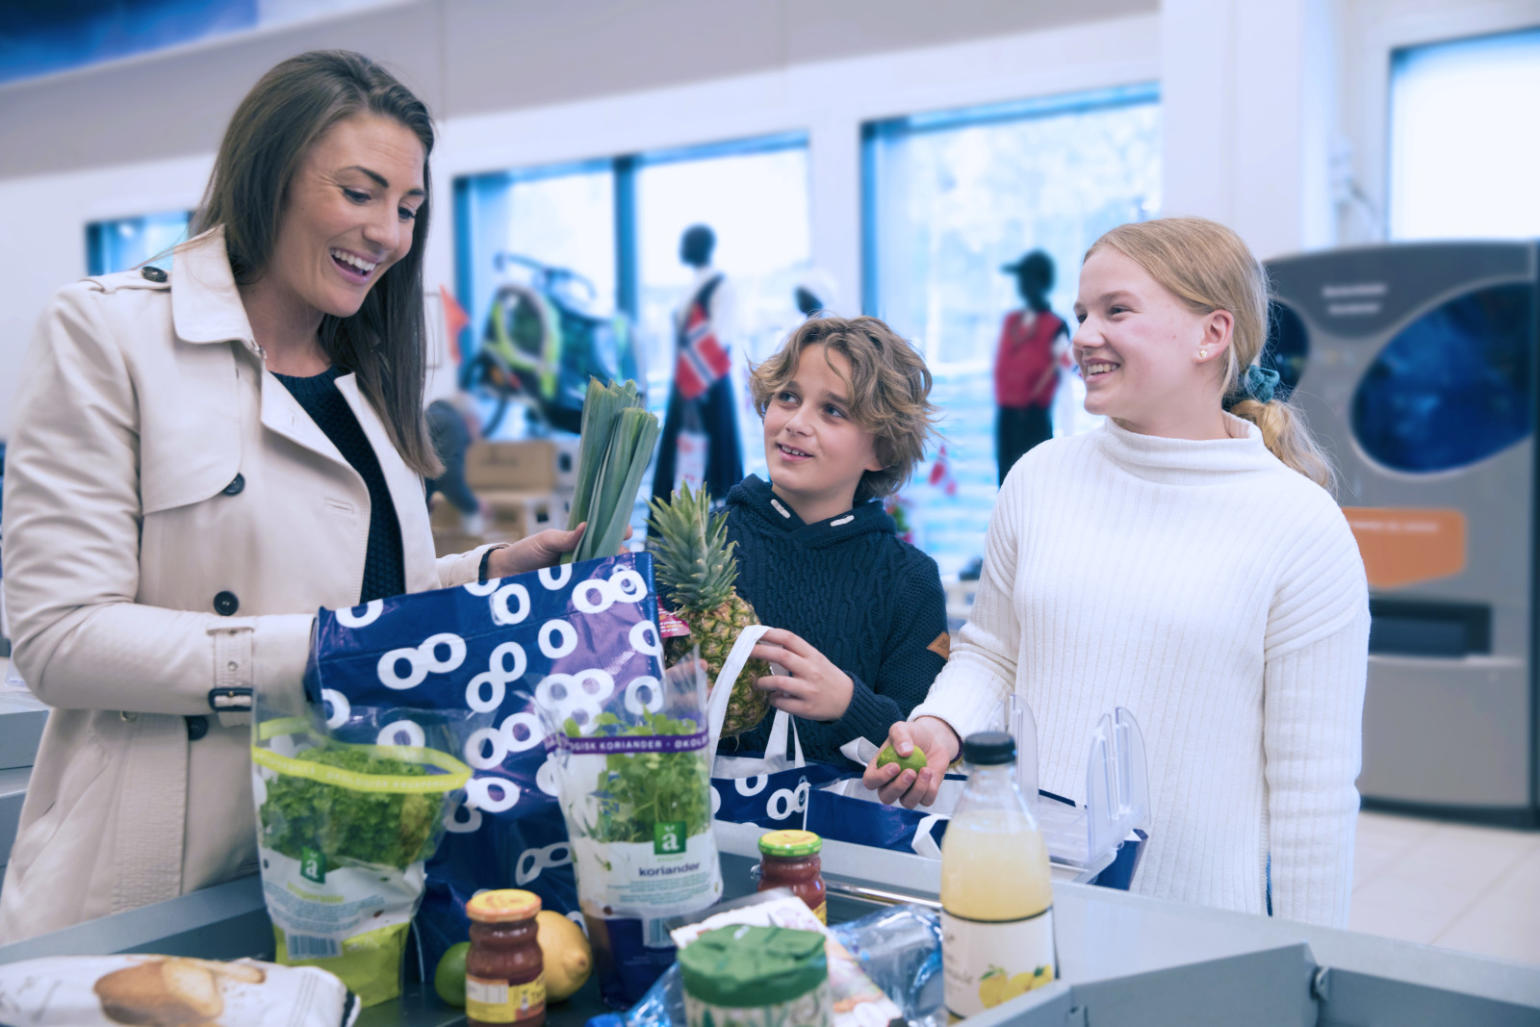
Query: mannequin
[700,413]
[1033,341]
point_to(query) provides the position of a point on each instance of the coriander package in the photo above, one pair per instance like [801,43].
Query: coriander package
[348,810]
[635,778]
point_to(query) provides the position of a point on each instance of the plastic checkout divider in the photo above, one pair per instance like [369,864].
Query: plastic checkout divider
[1124,960]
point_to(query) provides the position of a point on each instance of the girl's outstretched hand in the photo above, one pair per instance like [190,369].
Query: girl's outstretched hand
[896,784]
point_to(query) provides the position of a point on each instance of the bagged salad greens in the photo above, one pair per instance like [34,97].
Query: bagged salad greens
[635,790]
[344,827]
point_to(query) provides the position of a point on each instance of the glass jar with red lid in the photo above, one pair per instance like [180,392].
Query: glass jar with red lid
[504,970]
[790,859]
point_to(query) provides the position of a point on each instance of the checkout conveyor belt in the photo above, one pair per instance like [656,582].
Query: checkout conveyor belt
[1124,960]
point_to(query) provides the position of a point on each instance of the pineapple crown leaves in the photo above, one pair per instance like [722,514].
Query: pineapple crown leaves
[692,559]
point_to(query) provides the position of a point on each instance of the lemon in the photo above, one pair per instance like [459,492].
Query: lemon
[568,959]
[915,761]
[449,977]
[992,987]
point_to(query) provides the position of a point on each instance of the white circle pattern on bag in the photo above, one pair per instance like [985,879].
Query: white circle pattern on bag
[555,650]
[555,578]
[341,708]
[498,675]
[510,729]
[595,595]
[501,614]
[532,861]
[454,825]
[476,742]
[644,638]
[653,689]
[423,658]
[361,616]
[752,785]
[478,794]
[570,695]
[402,732]
[482,589]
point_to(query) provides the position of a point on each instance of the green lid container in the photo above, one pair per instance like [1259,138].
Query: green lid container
[747,966]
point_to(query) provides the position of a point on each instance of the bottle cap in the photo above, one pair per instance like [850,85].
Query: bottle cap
[503,906]
[989,748]
[790,843]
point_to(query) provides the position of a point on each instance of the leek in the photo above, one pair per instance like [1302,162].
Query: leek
[618,435]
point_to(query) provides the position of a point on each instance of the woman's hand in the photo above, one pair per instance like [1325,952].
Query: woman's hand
[812,688]
[542,549]
[895,784]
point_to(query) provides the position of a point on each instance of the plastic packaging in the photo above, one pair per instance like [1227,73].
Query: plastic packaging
[898,949]
[345,828]
[81,991]
[636,795]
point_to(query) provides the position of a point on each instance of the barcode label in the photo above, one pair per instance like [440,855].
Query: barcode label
[306,946]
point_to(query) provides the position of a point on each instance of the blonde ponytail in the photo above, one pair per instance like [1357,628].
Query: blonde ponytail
[1286,437]
[1208,267]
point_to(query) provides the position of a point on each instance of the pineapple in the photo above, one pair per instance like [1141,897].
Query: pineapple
[695,569]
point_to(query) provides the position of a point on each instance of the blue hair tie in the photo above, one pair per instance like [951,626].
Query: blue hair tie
[1261,382]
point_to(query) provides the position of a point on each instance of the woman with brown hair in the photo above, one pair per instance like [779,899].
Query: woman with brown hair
[1185,561]
[201,459]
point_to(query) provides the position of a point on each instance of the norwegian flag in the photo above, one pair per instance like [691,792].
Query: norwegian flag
[702,359]
[941,474]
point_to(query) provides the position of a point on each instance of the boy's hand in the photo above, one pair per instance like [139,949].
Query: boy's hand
[895,784]
[812,687]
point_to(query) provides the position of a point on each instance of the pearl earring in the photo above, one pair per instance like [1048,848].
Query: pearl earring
[1202,353]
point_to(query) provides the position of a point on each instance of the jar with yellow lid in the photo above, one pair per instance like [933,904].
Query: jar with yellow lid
[504,970]
[791,859]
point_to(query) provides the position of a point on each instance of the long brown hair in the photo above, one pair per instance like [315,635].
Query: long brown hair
[889,390]
[1208,267]
[289,108]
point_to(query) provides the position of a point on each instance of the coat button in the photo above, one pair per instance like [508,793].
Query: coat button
[197,727]
[226,603]
[236,485]
[153,274]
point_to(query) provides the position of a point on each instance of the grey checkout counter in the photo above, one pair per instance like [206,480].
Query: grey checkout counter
[21,725]
[1124,960]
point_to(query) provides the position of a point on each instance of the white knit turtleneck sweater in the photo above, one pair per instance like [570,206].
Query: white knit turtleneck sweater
[1218,595]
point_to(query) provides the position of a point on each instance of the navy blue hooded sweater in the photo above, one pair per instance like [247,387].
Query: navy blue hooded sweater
[847,585]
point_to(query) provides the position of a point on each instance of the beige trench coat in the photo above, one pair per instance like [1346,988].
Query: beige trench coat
[173,518]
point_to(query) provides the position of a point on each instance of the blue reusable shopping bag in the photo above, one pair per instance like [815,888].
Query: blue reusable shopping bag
[572,635]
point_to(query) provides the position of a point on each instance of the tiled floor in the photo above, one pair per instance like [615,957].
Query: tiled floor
[1475,889]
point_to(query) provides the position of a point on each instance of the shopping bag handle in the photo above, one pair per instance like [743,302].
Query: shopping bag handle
[721,691]
[716,706]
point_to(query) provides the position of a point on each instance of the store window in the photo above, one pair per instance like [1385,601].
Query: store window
[753,195]
[950,198]
[594,248]
[537,274]
[1462,152]
[123,243]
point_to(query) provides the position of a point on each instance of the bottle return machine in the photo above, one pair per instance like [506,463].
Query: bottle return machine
[1415,366]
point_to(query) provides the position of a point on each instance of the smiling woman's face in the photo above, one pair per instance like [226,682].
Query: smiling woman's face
[1137,346]
[348,215]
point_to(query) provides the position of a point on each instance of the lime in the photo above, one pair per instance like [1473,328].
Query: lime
[449,978]
[915,761]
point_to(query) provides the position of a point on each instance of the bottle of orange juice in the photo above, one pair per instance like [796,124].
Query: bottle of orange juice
[996,897]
